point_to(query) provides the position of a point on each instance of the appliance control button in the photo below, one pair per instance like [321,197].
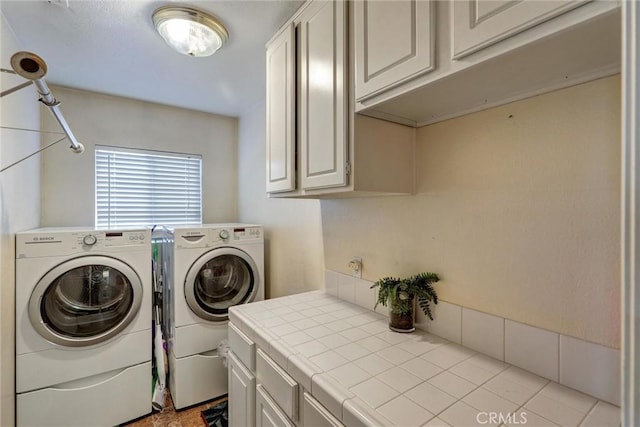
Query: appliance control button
[224,234]
[89,240]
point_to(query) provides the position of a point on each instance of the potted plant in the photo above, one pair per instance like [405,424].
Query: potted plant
[400,295]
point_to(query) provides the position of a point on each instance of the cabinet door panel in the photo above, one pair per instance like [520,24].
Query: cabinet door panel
[316,415]
[242,391]
[394,41]
[267,412]
[323,118]
[281,112]
[481,23]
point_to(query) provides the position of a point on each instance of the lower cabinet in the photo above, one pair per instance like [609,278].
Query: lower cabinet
[268,413]
[262,393]
[316,415]
[242,392]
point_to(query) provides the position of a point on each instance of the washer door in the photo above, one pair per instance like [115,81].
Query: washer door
[220,279]
[85,301]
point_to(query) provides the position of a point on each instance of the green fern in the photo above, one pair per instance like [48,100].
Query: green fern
[391,289]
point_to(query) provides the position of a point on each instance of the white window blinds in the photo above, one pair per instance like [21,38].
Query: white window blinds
[135,188]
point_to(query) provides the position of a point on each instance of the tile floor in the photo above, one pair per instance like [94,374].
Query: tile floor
[169,417]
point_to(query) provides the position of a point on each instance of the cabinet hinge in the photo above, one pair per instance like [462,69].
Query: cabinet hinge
[348,168]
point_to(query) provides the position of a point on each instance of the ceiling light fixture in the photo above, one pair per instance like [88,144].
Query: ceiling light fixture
[189,31]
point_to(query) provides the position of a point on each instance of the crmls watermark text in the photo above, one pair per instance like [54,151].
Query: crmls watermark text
[497,418]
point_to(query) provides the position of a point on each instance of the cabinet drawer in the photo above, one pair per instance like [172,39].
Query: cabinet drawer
[242,347]
[268,414]
[280,386]
[316,415]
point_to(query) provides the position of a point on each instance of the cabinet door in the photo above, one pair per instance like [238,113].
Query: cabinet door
[480,23]
[316,415]
[323,87]
[267,412]
[281,112]
[242,392]
[394,42]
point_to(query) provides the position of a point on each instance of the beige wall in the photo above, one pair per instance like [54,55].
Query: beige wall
[517,210]
[19,203]
[293,229]
[68,180]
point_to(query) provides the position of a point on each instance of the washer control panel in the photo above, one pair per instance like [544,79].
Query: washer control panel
[49,243]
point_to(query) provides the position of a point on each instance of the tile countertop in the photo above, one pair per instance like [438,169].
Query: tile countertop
[367,375]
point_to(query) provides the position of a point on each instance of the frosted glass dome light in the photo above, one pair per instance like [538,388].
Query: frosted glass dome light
[189,31]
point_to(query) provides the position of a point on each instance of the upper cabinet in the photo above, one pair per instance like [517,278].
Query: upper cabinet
[281,91]
[316,145]
[349,81]
[323,95]
[480,23]
[394,42]
[487,53]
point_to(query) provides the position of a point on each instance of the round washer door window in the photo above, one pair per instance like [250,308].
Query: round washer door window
[85,301]
[220,279]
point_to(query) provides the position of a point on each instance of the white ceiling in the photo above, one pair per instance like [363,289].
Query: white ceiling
[110,46]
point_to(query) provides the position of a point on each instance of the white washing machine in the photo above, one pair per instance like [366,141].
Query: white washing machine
[83,326]
[215,267]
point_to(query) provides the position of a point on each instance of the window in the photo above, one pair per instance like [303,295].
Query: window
[136,188]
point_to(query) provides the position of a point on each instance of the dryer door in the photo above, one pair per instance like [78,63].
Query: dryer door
[85,301]
[219,279]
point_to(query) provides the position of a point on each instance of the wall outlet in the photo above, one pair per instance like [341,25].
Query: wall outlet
[356,267]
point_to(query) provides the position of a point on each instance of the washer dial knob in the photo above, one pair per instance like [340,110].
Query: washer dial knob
[224,234]
[89,240]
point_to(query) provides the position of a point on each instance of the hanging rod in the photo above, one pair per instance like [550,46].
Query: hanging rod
[33,68]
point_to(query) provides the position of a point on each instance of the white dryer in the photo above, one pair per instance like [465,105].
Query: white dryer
[214,267]
[83,326]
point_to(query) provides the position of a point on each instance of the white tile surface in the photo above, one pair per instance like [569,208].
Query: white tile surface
[404,412]
[422,346]
[448,355]
[328,360]
[354,334]
[374,364]
[399,379]
[356,413]
[333,341]
[525,378]
[318,331]
[304,324]
[365,297]
[346,288]
[296,338]
[602,415]
[374,392]
[352,351]
[394,338]
[487,363]
[377,327]
[331,282]
[533,349]
[452,384]
[421,368]
[554,411]
[569,397]
[284,329]
[338,326]
[523,418]
[510,390]
[590,368]
[486,401]
[395,355]
[311,348]
[461,414]
[349,374]
[483,332]
[329,393]
[436,422]
[374,344]
[447,321]
[431,398]
[302,370]
[472,372]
